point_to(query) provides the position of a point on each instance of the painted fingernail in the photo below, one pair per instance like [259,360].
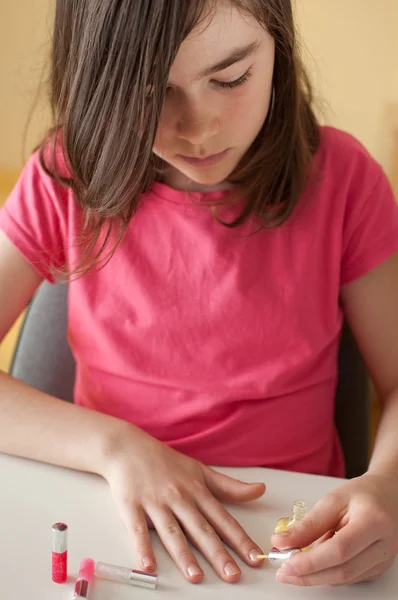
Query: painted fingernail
[283,533]
[193,570]
[253,555]
[231,569]
[148,562]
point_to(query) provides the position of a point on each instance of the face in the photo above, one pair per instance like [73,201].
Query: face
[218,97]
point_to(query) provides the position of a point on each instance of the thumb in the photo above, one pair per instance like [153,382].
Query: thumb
[325,517]
[229,490]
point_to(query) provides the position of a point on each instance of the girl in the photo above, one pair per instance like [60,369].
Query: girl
[212,234]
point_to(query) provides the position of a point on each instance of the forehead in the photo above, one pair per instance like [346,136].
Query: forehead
[224,28]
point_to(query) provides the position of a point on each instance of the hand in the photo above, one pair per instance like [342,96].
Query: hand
[356,529]
[155,485]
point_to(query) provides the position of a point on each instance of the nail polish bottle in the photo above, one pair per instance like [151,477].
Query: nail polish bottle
[299,510]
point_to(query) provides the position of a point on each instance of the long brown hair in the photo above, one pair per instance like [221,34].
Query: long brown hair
[105,58]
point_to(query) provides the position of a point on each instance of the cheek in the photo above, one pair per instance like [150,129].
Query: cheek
[235,112]
[247,113]
[162,137]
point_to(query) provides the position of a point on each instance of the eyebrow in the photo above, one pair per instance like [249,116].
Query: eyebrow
[236,55]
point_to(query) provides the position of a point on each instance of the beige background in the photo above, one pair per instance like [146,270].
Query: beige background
[352,50]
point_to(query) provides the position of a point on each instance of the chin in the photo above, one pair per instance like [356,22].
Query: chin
[209,177]
[182,176]
[209,180]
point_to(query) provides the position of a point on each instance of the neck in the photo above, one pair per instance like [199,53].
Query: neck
[178,181]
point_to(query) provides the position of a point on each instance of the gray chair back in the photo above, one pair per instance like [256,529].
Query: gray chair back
[43,359]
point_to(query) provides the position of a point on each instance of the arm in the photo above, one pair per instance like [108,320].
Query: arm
[26,415]
[178,490]
[371,306]
[357,524]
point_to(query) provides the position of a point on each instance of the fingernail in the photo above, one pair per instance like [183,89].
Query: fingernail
[194,570]
[231,569]
[287,569]
[147,562]
[253,555]
[283,533]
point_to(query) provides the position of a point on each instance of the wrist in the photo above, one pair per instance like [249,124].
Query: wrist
[387,469]
[120,436]
[112,437]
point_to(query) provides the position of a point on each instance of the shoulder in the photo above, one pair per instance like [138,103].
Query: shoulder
[43,183]
[343,159]
[347,188]
[41,216]
[51,157]
[40,199]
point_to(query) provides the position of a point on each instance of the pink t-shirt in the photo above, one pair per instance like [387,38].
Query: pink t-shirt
[220,344]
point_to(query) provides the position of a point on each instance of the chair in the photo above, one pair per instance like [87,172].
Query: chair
[43,359]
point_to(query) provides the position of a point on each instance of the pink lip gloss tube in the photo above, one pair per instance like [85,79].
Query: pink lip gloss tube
[59,559]
[84,579]
[125,575]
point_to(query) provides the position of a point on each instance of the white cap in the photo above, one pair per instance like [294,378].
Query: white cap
[277,557]
[125,575]
[60,537]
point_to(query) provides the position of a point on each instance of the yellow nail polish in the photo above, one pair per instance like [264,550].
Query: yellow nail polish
[299,510]
[282,524]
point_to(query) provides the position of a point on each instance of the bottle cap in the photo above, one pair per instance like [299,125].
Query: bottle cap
[126,575]
[60,538]
[277,557]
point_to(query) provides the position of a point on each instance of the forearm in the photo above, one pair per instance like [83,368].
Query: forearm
[385,454]
[37,426]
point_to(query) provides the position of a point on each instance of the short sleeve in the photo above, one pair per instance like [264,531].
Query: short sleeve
[370,233]
[34,218]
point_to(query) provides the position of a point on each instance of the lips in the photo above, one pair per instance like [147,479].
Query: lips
[204,161]
[203,157]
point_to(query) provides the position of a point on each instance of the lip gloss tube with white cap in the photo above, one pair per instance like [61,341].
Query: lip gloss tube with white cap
[59,561]
[84,579]
[125,575]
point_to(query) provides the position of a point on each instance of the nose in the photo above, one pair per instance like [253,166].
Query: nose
[197,124]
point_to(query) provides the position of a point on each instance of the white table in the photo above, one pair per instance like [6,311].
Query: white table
[33,496]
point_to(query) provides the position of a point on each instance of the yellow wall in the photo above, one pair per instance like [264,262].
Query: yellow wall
[352,47]
[7,346]
[353,55]
[24,48]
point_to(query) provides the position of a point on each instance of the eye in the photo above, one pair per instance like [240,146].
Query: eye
[236,83]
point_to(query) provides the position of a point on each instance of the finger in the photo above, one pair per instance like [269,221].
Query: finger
[228,529]
[337,550]
[325,537]
[325,516]
[136,523]
[205,538]
[341,574]
[229,490]
[176,543]
[374,573]
[347,543]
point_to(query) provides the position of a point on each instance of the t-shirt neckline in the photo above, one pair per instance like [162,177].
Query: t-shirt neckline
[186,197]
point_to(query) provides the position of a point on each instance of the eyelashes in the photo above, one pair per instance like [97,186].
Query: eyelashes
[236,83]
[228,84]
